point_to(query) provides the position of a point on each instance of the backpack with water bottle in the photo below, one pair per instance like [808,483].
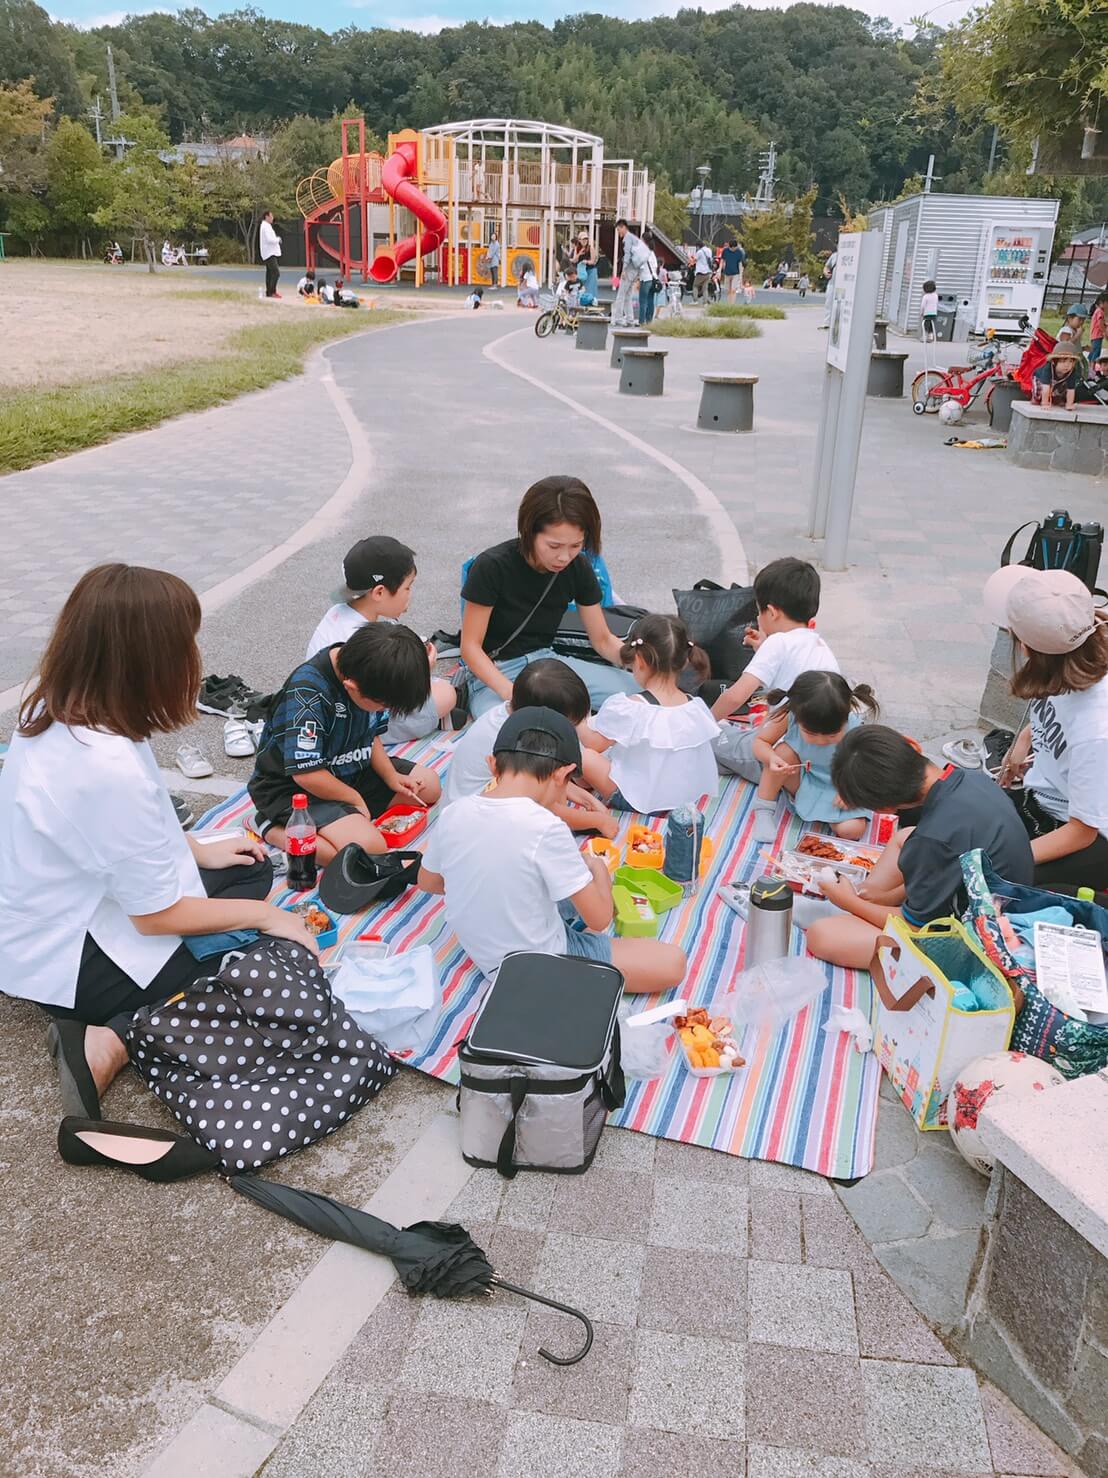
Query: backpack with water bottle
[1060,544]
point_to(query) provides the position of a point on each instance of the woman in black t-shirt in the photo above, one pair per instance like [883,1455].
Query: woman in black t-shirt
[516,594]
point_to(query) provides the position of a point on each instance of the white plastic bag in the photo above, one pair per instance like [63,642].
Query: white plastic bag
[852,1021]
[644,1050]
[397,1000]
[775,991]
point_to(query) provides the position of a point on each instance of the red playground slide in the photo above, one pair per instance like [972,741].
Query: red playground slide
[386,265]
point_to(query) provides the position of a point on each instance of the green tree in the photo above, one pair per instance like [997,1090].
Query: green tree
[33,49]
[26,217]
[670,214]
[24,120]
[144,198]
[241,190]
[77,179]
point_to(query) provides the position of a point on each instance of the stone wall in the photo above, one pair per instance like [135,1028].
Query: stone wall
[1060,441]
[1037,1320]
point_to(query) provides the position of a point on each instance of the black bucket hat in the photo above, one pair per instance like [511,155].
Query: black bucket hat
[356,878]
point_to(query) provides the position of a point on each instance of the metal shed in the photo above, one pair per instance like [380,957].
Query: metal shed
[944,237]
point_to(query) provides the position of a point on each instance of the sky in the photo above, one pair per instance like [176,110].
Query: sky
[434,15]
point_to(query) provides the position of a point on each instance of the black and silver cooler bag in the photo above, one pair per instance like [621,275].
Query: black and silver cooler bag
[540,1068]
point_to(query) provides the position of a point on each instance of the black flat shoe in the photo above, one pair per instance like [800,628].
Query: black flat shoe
[155,1154]
[65,1040]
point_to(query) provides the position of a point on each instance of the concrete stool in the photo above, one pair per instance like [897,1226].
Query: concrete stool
[1001,398]
[880,331]
[727,403]
[592,332]
[886,374]
[627,338]
[643,372]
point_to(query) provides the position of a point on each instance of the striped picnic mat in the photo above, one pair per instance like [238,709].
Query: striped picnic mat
[804,1098]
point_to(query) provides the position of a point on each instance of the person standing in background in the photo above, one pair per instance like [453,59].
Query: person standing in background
[270,247]
[632,256]
[703,266]
[649,286]
[732,261]
[492,259]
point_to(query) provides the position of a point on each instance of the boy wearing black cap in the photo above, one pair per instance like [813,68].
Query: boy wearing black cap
[511,872]
[378,575]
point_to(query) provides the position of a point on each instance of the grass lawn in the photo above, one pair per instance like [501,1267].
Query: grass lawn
[50,421]
[705,328]
[745,310]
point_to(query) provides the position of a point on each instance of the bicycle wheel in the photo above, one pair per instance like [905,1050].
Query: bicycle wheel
[544,325]
[924,386]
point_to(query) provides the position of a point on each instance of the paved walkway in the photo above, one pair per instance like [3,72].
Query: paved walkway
[744,1323]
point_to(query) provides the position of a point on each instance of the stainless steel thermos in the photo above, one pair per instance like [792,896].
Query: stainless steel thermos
[769,921]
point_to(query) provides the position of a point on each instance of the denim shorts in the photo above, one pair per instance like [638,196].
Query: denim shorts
[584,945]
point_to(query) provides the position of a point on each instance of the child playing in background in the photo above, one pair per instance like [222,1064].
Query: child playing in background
[803,283]
[545,683]
[511,871]
[527,295]
[785,645]
[660,740]
[1096,328]
[379,573]
[475,299]
[929,312]
[796,748]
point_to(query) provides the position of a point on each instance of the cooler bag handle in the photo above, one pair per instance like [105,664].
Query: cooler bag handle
[506,1154]
[912,996]
[613,1085]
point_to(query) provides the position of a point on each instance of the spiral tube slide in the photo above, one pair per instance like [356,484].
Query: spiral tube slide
[395,171]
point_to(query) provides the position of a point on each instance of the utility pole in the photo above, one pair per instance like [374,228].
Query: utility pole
[118,143]
[992,148]
[703,170]
[767,178]
[96,114]
[930,177]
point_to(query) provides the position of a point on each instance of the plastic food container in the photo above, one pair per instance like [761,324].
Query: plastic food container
[327,937]
[661,892]
[366,947]
[654,853]
[797,867]
[707,854]
[402,838]
[634,913]
[715,1009]
[607,851]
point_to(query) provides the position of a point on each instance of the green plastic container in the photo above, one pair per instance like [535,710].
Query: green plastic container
[631,921]
[663,892]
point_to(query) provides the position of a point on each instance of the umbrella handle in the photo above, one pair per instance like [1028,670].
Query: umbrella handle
[551,1303]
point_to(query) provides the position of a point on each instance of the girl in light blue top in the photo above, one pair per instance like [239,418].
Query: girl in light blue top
[796,748]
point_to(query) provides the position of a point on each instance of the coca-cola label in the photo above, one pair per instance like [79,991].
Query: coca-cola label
[300,846]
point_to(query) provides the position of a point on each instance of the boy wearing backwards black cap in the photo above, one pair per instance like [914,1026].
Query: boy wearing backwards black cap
[511,871]
[379,573]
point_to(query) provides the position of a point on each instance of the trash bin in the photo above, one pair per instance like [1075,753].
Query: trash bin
[948,310]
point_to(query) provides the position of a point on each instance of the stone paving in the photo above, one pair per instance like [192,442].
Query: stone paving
[742,1327]
[809,1358]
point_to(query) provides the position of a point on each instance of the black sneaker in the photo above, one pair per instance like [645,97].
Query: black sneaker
[219,695]
[183,810]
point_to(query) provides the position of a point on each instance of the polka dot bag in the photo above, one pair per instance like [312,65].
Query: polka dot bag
[260,1060]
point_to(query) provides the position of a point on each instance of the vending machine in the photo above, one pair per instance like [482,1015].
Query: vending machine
[1012,276]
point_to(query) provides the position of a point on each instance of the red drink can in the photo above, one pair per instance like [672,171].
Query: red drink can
[886,826]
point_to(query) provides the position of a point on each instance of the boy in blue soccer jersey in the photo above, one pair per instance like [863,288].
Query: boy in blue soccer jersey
[323,737]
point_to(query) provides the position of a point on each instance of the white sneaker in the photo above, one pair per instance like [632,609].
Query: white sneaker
[192,761]
[238,739]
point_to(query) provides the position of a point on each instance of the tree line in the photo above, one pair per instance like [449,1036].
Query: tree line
[854,108]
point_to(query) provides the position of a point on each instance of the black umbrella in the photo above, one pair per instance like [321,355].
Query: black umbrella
[430,1256]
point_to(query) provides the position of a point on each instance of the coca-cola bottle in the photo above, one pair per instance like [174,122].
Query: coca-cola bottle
[300,844]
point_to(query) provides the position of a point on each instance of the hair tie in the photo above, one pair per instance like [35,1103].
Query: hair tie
[634,641]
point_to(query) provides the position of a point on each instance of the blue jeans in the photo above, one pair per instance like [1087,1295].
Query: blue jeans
[646,300]
[602,681]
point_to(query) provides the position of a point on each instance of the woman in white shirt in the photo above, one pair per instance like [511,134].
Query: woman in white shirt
[660,740]
[1057,769]
[98,883]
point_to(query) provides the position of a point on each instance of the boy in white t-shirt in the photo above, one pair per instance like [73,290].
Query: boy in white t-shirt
[929,311]
[511,872]
[545,683]
[785,645]
[379,573]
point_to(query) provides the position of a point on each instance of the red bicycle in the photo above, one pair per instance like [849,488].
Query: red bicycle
[932,386]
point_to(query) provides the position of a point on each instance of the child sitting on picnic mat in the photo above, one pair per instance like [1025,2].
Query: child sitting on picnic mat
[323,737]
[919,874]
[797,747]
[511,871]
[546,683]
[785,645]
[659,741]
[378,575]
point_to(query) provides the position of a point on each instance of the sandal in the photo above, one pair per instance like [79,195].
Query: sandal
[968,754]
[192,761]
[238,739]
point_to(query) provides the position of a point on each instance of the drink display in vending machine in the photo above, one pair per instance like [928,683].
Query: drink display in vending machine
[1012,275]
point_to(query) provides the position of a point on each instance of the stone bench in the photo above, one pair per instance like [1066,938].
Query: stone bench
[643,372]
[886,374]
[727,403]
[880,334]
[1060,440]
[627,338]
[592,332]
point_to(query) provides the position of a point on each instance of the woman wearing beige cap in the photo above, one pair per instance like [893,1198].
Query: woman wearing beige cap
[1057,769]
